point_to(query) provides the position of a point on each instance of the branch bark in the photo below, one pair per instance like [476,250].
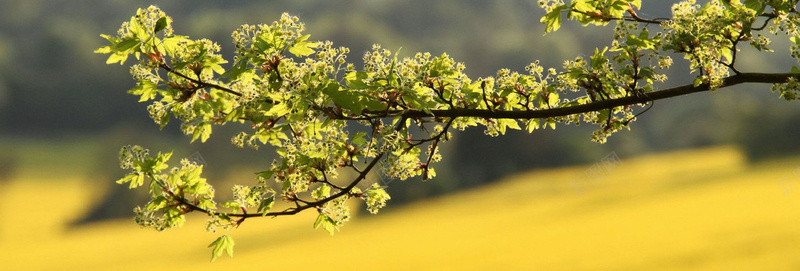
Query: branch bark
[774,78]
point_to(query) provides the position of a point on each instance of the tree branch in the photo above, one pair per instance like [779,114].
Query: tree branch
[200,84]
[774,78]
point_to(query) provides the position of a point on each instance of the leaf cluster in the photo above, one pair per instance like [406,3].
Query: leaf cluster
[323,116]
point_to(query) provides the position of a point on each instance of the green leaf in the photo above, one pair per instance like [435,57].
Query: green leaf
[126,45]
[322,192]
[160,24]
[326,222]
[171,44]
[153,165]
[235,114]
[222,244]
[231,204]
[598,59]
[137,29]
[552,19]
[146,90]
[204,110]
[229,248]
[302,48]
[636,3]
[110,38]
[533,124]
[352,100]
[117,57]
[551,123]
[510,123]
[236,71]
[416,100]
[278,110]
[698,81]
[103,50]
[582,6]
[202,131]
[265,174]
[135,179]
[755,5]
[164,120]
[207,204]
[266,205]
[442,66]
[157,203]
[320,220]
[727,54]
[642,41]
[355,80]
[126,179]
[359,139]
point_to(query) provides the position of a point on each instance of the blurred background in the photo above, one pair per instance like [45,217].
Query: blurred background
[64,114]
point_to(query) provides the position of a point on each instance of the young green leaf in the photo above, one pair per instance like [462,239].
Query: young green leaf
[135,179]
[326,222]
[697,81]
[636,3]
[146,89]
[236,71]
[552,19]
[302,48]
[266,205]
[222,244]
[359,139]
[322,192]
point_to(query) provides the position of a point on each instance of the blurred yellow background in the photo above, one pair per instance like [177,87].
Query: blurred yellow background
[64,114]
[708,210]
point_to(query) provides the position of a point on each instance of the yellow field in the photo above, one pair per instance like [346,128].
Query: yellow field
[697,210]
